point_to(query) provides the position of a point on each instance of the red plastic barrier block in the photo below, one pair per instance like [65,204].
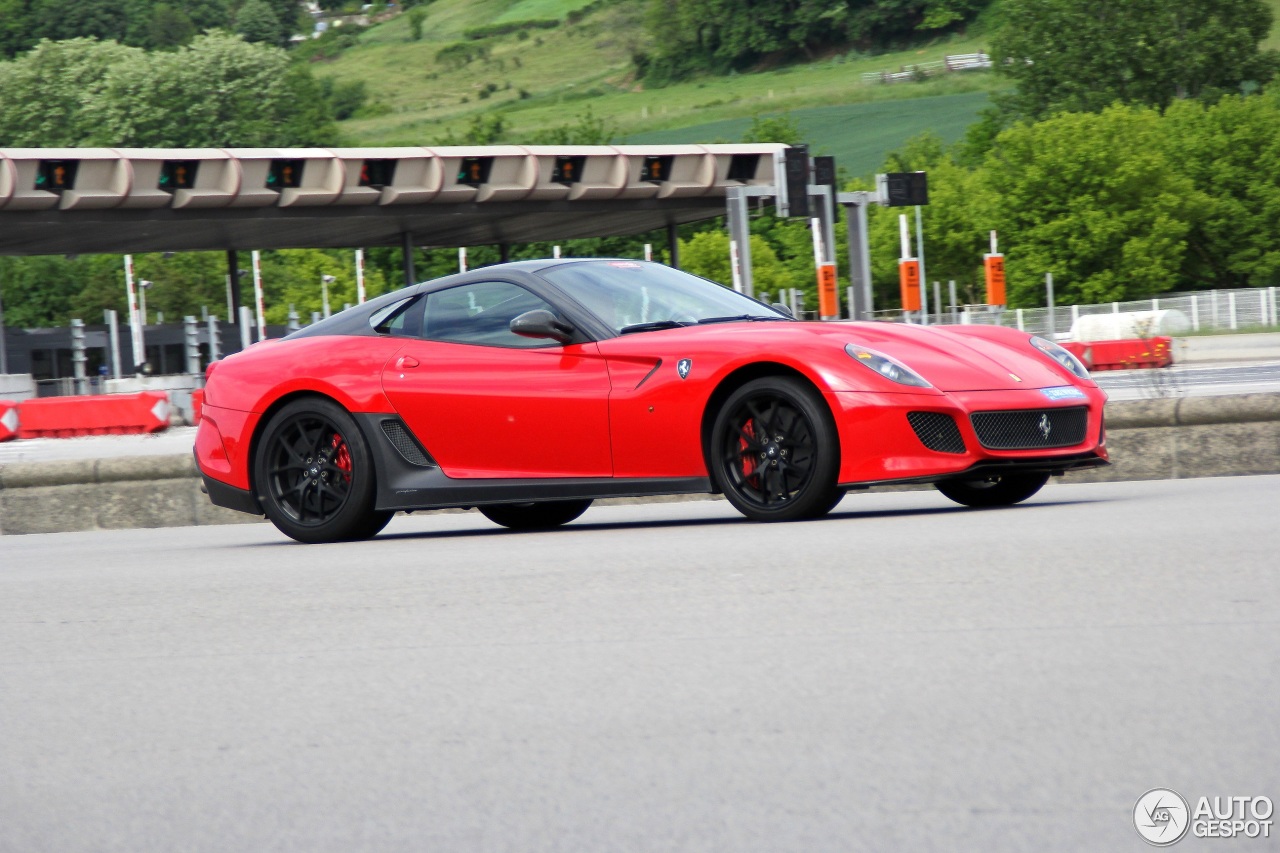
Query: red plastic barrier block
[197,406]
[1130,354]
[108,414]
[8,420]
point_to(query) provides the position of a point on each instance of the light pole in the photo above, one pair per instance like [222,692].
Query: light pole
[143,286]
[4,353]
[325,281]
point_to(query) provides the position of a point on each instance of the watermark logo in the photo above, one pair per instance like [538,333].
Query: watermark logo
[1161,817]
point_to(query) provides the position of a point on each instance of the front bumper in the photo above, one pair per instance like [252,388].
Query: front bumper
[879,445]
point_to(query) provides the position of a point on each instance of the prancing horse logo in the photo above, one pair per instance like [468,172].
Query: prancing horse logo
[1045,426]
[683,367]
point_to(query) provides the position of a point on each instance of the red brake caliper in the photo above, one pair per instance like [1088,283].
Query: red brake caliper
[749,464]
[341,458]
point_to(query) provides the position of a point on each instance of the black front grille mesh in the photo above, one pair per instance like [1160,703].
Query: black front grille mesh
[937,431]
[1031,429]
[409,448]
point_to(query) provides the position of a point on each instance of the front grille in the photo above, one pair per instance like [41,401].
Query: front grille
[937,431]
[1030,429]
[409,448]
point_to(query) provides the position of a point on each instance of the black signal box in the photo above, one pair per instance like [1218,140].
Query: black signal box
[285,174]
[377,173]
[796,167]
[907,189]
[657,169]
[568,170]
[474,171]
[178,175]
[742,167]
[55,176]
[824,171]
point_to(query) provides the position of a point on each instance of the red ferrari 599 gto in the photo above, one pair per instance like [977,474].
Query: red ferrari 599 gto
[529,389]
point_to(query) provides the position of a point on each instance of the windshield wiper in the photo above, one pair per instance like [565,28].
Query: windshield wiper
[736,317]
[652,326]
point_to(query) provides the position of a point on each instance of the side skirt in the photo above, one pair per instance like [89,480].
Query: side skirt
[406,485]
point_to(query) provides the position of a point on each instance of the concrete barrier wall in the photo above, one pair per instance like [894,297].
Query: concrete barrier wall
[1149,440]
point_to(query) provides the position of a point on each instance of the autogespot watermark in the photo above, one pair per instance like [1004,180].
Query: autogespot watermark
[1162,817]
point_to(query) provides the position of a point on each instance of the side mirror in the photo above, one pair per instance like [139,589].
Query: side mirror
[541,323]
[785,309]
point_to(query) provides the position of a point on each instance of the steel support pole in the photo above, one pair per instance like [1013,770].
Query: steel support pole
[1049,301]
[673,244]
[406,258]
[739,240]
[233,285]
[4,351]
[855,208]
[112,318]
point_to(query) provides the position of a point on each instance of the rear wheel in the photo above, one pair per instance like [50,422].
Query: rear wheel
[314,474]
[1000,490]
[543,515]
[775,452]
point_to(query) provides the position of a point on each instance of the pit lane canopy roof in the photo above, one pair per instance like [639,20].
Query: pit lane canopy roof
[86,200]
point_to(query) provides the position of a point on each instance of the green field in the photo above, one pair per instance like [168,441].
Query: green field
[858,135]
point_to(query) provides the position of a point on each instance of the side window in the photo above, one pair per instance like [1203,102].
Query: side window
[481,313]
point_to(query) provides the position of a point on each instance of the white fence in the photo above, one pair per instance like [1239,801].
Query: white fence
[1205,311]
[956,62]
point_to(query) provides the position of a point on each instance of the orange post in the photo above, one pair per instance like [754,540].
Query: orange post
[995,279]
[828,303]
[909,282]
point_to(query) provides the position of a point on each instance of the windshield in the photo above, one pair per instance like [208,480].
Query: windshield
[635,296]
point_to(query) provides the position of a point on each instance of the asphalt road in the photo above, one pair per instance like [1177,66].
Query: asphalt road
[1193,380]
[905,675]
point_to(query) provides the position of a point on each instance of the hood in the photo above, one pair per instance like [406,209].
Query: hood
[958,361]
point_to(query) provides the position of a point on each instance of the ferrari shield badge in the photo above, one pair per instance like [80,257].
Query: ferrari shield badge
[683,367]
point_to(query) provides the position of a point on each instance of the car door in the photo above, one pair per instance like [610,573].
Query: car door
[487,403]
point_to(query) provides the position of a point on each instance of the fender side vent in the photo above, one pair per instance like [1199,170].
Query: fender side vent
[406,444]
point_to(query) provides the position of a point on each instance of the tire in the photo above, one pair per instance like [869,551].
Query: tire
[544,515]
[1000,490]
[790,471]
[314,474]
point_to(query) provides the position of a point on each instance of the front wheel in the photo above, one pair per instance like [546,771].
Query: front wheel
[314,474]
[999,490]
[544,515]
[775,452]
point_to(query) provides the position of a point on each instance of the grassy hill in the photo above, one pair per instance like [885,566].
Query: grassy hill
[543,78]
[426,90]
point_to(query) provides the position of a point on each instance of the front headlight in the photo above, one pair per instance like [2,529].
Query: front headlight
[1061,355]
[894,371]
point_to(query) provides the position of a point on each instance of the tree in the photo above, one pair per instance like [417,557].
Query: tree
[258,23]
[1082,55]
[1231,153]
[44,92]
[169,27]
[219,91]
[1091,198]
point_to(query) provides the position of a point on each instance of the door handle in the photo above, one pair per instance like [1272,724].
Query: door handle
[406,361]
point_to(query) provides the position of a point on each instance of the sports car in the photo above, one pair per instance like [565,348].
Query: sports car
[529,389]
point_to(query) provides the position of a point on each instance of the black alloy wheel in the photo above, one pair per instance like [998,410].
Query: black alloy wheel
[543,515]
[775,451]
[998,490]
[314,474]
